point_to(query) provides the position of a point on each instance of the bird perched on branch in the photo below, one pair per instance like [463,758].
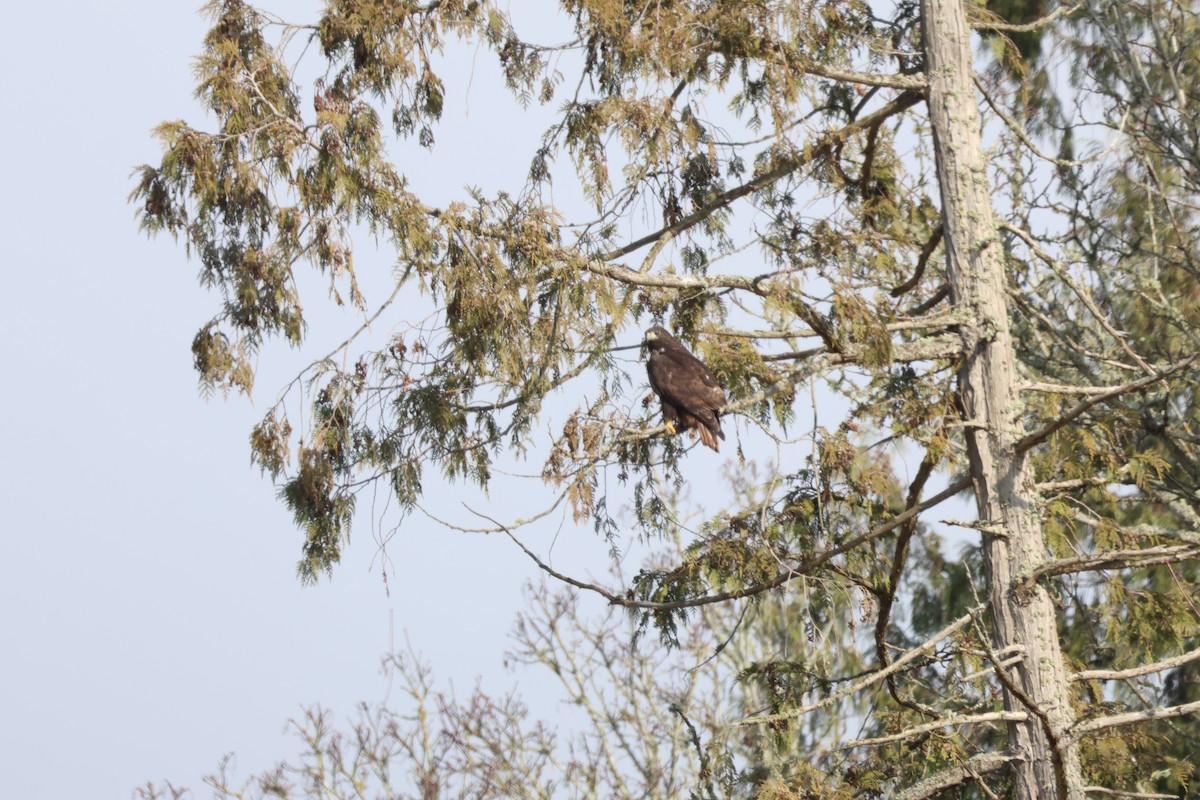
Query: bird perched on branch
[691,397]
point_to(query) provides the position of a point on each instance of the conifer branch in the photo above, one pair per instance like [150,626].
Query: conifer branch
[872,677]
[938,724]
[907,82]
[971,769]
[1133,795]
[1135,672]
[1117,559]
[1132,718]
[903,102]
[801,569]
[1026,27]
[1046,431]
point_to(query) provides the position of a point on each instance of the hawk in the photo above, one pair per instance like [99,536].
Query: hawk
[691,397]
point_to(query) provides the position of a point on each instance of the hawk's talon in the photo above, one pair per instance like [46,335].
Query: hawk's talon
[671,428]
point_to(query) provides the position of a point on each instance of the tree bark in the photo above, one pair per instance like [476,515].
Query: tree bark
[1044,764]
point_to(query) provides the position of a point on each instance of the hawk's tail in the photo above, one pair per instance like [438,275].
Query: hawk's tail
[708,437]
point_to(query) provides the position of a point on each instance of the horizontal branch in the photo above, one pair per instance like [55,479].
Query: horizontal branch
[1132,795]
[938,323]
[865,78]
[1116,559]
[1144,531]
[1065,388]
[569,375]
[1007,663]
[1027,27]
[929,348]
[617,272]
[971,769]
[1078,483]
[1132,718]
[1135,672]
[917,730]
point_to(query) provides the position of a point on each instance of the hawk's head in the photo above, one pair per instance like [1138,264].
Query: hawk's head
[657,338]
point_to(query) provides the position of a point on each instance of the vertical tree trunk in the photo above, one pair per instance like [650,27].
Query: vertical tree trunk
[1013,543]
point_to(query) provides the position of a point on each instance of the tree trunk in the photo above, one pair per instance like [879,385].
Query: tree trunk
[1013,544]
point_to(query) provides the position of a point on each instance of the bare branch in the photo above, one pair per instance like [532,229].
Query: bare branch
[1008,662]
[1065,388]
[1016,128]
[865,78]
[1076,483]
[922,261]
[1116,559]
[1144,669]
[917,730]
[1132,718]
[888,596]
[1137,795]
[1191,536]
[1081,293]
[1027,27]
[969,770]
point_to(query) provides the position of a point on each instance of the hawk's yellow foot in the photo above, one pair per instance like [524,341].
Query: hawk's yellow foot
[671,427]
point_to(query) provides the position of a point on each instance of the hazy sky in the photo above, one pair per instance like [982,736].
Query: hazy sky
[151,616]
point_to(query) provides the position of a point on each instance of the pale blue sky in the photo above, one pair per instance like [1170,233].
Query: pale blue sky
[151,617]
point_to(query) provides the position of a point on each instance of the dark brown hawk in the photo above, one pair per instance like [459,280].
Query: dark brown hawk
[691,397]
